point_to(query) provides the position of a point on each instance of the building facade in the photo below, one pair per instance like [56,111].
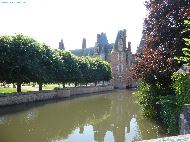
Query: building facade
[118,54]
[122,60]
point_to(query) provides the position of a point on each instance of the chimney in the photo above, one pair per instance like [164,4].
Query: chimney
[83,43]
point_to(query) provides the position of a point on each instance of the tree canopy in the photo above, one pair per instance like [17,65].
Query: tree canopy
[163,40]
[24,60]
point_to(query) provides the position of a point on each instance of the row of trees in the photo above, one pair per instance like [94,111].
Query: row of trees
[164,32]
[24,60]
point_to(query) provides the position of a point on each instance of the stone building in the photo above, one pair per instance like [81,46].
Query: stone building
[102,49]
[118,54]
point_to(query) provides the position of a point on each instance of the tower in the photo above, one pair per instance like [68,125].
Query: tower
[118,61]
[61,45]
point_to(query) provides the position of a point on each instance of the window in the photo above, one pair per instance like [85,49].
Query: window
[120,67]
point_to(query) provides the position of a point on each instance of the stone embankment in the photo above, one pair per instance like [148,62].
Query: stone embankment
[180,138]
[26,97]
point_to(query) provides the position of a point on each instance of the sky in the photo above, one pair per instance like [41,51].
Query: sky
[49,21]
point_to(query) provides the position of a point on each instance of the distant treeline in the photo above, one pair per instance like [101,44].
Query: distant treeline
[24,60]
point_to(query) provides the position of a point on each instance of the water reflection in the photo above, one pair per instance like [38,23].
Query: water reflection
[105,117]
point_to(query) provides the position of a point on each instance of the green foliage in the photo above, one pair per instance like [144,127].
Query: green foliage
[181,84]
[185,57]
[5,54]
[165,104]
[46,65]
[169,113]
[24,60]
[148,99]
[84,66]
[94,70]
[67,67]
[172,106]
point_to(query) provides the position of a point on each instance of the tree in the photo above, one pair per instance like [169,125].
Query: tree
[83,64]
[107,74]
[5,54]
[163,40]
[61,70]
[23,60]
[103,70]
[45,72]
[68,71]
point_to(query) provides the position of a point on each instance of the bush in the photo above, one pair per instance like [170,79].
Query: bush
[172,106]
[148,98]
[165,104]
[169,113]
[181,85]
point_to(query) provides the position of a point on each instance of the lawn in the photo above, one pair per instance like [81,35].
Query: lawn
[51,86]
[10,90]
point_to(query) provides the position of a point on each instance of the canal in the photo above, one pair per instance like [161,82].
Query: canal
[108,117]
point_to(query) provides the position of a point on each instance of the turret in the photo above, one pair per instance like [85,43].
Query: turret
[120,42]
[61,45]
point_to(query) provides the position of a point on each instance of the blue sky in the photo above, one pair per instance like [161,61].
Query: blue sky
[51,20]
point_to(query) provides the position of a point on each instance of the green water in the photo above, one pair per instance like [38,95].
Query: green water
[108,117]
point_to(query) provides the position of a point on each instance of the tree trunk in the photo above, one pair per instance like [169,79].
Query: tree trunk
[86,84]
[18,87]
[63,84]
[33,85]
[75,84]
[4,85]
[40,86]
[103,82]
[95,83]
[14,86]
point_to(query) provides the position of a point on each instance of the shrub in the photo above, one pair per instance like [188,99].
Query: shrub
[169,113]
[148,99]
[163,103]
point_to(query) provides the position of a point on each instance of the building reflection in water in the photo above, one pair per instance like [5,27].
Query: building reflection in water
[87,134]
[119,124]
